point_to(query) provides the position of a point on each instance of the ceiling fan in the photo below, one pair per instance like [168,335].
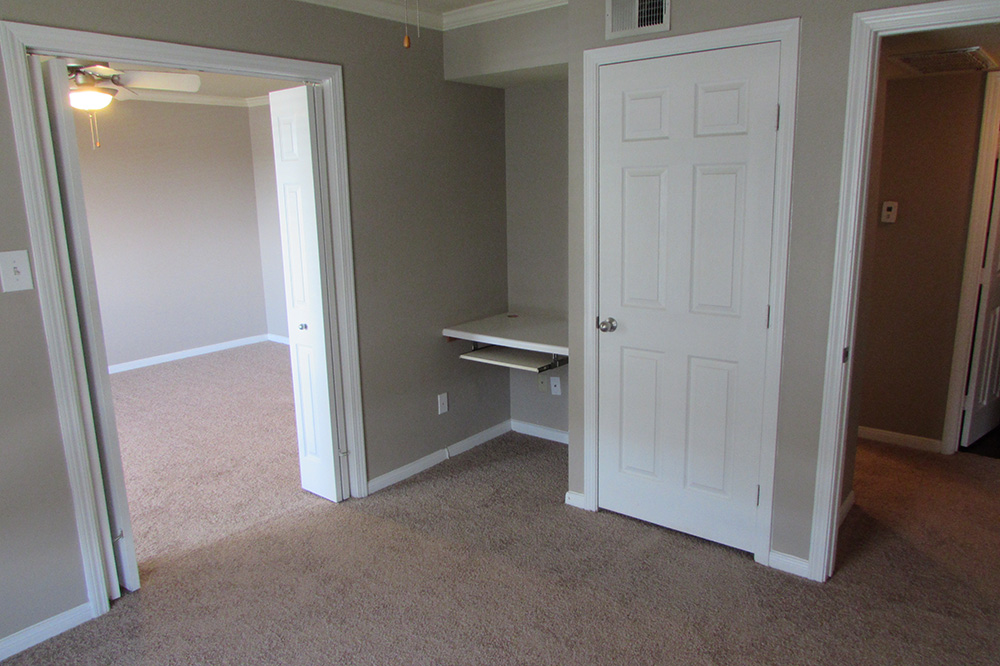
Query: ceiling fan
[94,84]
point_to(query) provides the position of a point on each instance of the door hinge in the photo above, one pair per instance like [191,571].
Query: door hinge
[777,121]
[769,316]
[846,355]
[758,495]
[118,537]
[343,454]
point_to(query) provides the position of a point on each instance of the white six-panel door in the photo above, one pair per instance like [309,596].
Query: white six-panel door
[687,166]
[319,462]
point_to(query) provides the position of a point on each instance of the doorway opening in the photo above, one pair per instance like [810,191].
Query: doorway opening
[68,298]
[836,424]
[185,238]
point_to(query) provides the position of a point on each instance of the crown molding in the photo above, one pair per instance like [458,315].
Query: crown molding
[457,18]
[161,96]
[384,9]
[495,10]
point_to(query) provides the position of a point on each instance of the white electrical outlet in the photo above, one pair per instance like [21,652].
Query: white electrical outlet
[15,272]
[556,384]
[442,403]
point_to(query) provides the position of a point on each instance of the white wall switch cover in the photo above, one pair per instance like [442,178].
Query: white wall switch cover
[15,271]
[889,209]
[556,385]
[442,403]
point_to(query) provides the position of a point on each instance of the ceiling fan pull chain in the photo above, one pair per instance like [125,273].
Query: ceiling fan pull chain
[95,136]
[406,24]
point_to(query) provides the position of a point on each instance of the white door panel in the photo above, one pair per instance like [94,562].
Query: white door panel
[319,461]
[686,159]
[982,411]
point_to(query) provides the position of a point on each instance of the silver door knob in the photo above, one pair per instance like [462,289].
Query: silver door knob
[303,327]
[609,325]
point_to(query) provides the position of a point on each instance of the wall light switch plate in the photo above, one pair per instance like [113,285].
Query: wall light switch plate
[442,403]
[889,209]
[556,385]
[15,271]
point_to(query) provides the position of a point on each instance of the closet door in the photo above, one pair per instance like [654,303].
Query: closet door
[687,165]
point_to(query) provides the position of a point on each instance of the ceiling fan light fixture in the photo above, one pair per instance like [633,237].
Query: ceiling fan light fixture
[90,97]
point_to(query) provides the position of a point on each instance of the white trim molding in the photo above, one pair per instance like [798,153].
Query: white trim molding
[901,439]
[187,353]
[868,28]
[493,11]
[789,564]
[578,500]
[483,12]
[436,458]
[551,434]
[383,9]
[786,34]
[44,630]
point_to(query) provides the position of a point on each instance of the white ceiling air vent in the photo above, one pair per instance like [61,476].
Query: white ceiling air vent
[636,17]
[972,59]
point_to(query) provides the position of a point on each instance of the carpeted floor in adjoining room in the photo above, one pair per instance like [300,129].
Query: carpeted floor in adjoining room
[479,561]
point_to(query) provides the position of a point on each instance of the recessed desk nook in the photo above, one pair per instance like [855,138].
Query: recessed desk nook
[530,342]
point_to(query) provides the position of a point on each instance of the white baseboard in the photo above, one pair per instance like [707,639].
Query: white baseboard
[551,434]
[439,456]
[901,439]
[788,564]
[477,439]
[577,500]
[186,353]
[845,508]
[45,630]
[281,339]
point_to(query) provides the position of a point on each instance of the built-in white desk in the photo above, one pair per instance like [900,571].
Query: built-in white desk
[531,342]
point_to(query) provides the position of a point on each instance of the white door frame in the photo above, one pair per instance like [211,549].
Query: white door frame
[51,261]
[786,33]
[868,28]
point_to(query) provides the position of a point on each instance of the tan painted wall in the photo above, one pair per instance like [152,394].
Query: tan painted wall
[426,164]
[912,271]
[268,224]
[172,212]
[536,117]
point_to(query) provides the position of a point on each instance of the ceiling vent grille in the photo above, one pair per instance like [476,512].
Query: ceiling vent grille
[972,59]
[635,17]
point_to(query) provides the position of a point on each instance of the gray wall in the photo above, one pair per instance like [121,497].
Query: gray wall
[912,271]
[268,225]
[487,52]
[536,135]
[173,226]
[426,162]
[42,571]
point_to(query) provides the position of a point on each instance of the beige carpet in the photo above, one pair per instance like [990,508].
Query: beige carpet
[208,448]
[479,561]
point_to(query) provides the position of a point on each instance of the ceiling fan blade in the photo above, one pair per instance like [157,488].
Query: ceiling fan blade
[125,94]
[160,81]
